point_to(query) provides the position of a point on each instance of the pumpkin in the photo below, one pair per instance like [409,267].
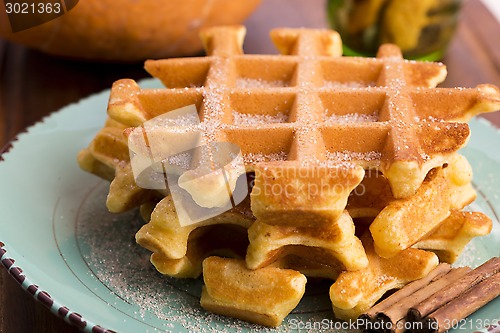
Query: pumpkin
[127,30]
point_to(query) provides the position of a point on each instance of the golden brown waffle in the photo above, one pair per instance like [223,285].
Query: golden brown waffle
[311,268]
[355,292]
[313,127]
[395,228]
[371,196]
[264,296]
[454,233]
[374,193]
[224,240]
[179,251]
[310,108]
[107,156]
[335,245]
[107,150]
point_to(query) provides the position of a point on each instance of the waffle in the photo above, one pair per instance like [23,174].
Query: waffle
[335,245]
[454,233]
[355,292]
[107,150]
[108,157]
[374,193]
[311,268]
[229,241]
[394,228]
[311,128]
[404,126]
[264,296]
[179,251]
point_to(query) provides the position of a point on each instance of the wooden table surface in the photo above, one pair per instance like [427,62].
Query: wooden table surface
[33,85]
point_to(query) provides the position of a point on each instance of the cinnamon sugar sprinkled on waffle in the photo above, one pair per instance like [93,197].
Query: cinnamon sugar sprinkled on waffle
[258,83]
[312,99]
[256,158]
[352,118]
[348,85]
[353,156]
[258,119]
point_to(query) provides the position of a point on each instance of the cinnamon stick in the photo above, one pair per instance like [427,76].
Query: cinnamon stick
[410,288]
[454,290]
[398,310]
[403,293]
[494,328]
[467,303]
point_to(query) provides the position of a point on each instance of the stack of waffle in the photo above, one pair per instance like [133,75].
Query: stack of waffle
[351,165]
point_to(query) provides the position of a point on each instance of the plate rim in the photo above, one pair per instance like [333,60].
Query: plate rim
[37,293]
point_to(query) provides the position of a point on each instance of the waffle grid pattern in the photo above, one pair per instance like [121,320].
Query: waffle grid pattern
[312,106]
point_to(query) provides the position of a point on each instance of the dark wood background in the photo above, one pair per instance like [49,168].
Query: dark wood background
[33,85]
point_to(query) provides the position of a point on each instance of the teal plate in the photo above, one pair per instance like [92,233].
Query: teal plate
[59,242]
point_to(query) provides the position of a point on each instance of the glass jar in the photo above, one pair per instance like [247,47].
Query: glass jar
[421,28]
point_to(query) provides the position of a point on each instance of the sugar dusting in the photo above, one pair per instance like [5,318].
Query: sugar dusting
[108,246]
[347,85]
[182,160]
[347,156]
[258,119]
[214,101]
[164,304]
[428,119]
[259,157]
[188,119]
[353,118]
[244,82]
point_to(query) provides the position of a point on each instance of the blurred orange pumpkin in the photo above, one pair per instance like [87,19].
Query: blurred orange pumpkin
[129,30]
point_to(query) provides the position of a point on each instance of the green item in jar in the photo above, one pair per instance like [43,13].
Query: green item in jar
[404,21]
[364,14]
